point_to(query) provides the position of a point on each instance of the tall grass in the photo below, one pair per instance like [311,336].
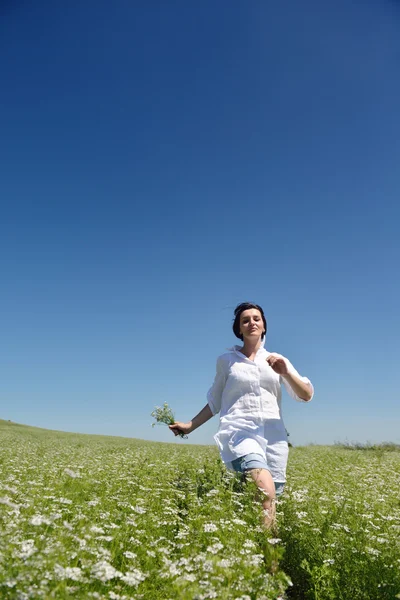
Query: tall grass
[101,517]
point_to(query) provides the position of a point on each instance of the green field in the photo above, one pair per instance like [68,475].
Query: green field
[86,516]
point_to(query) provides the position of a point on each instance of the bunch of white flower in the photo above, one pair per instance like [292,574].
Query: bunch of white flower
[164,415]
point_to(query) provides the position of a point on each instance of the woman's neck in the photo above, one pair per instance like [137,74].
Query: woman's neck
[249,347]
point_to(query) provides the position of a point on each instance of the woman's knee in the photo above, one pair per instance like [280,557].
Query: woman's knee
[263,480]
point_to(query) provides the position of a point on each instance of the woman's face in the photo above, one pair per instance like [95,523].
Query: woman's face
[251,323]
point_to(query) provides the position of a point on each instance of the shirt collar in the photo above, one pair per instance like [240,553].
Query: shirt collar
[237,348]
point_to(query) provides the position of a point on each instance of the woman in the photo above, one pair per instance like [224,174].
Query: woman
[252,438]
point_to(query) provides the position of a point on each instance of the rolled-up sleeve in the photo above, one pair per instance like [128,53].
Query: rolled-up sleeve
[289,390]
[214,395]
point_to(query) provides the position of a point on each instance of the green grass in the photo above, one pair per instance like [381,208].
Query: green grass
[85,516]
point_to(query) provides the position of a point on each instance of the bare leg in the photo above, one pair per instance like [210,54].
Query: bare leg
[263,480]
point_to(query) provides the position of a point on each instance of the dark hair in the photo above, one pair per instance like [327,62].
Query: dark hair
[238,311]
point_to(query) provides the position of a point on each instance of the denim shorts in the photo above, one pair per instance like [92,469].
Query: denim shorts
[255,461]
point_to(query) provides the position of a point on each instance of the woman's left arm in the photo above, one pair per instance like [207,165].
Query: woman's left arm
[302,389]
[301,386]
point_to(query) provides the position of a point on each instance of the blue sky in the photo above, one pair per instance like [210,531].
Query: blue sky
[162,162]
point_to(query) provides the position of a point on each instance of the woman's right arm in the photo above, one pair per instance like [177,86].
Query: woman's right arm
[204,415]
[212,407]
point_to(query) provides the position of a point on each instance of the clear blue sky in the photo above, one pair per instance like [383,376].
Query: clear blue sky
[162,162]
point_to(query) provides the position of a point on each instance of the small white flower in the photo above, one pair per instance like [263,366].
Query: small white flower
[27,549]
[210,527]
[73,573]
[215,548]
[104,571]
[8,488]
[133,577]
[181,534]
[255,560]
[274,541]
[189,577]
[72,473]
[239,522]
[8,502]
[95,529]
[39,520]
[139,509]
[225,563]
[129,554]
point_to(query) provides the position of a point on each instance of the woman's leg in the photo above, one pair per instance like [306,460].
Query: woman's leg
[263,480]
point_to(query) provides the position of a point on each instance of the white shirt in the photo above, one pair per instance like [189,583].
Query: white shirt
[247,394]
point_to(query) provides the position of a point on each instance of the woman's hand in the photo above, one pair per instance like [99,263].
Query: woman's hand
[278,363]
[179,427]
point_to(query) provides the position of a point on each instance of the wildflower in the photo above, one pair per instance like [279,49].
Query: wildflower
[210,527]
[8,488]
[255,560]
[8,502]
[133,577]
[164,414]
[27,549]
[73,573]
[215,548]
[95,529]
[189,577]
[181,534]
[71,473]
[129,554]
[139,510]
[239,522]
[225,563]
[104,571]
[274,541]
[39,520]
[373,551]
